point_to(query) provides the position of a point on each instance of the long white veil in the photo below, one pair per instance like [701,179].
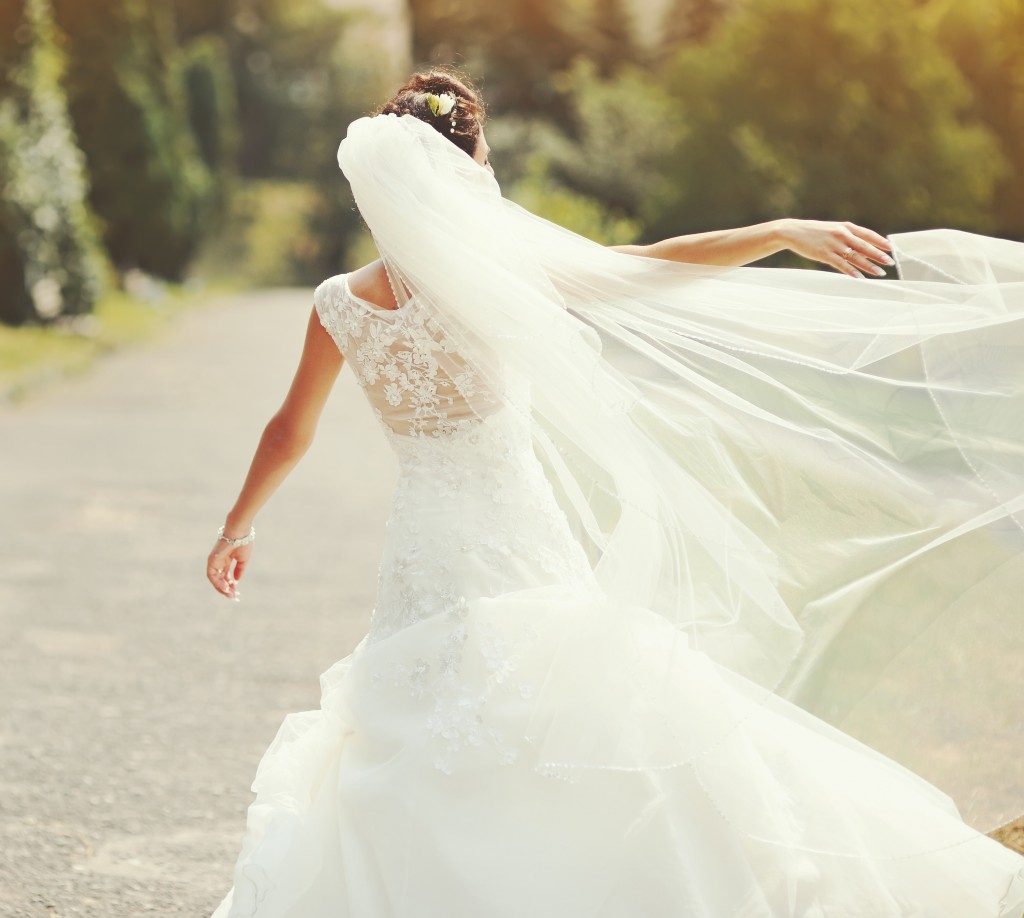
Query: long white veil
[812,480]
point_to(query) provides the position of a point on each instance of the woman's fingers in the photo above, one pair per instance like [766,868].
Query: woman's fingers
[217,578]
[848,247]
[837,261]
[861,261]
[219,581]
[218,572]
[870,236]
[867,249]
[861,253]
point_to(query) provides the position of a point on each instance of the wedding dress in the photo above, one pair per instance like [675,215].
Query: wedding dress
[518,736]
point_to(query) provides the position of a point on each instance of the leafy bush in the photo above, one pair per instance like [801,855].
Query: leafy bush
[302,77]
[266,239]
[149,186]
[542,195]
[985,41]
[209,87]
[811,108]
[624,128]
[50,262]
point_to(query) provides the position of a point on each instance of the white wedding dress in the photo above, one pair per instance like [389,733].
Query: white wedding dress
[412,792]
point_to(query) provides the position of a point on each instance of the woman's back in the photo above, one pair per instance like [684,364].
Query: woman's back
[414,379]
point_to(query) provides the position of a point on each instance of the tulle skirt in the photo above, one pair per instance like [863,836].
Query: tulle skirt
[590,789]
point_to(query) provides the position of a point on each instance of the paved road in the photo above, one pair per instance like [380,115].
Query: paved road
[135,702]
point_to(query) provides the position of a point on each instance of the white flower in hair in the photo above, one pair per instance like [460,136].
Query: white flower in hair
[440,104]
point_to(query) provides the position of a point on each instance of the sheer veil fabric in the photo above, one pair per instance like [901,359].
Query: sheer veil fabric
[808,481]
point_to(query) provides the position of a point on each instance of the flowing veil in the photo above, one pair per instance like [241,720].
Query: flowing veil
[806,482]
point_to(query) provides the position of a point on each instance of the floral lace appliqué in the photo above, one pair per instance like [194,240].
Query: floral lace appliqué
[472,516]
[411,375]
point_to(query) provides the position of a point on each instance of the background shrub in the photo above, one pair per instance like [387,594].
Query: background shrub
[50,262]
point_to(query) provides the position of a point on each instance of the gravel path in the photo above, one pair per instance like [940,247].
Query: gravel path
[136,701]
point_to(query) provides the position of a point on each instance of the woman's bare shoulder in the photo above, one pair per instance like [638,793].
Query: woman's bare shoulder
[370,282]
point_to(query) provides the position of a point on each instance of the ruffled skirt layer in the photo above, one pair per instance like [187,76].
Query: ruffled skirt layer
[477,766]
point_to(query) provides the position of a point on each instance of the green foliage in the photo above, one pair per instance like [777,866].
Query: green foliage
[625,128]
[50,263]
[149,185]
[687,22]
[985,40]
[810,108]
[613,42]
[269,241]
[300,82]
[539,193]
[898,116]
[291,84]
[351,84]
[205,73]
[195,18]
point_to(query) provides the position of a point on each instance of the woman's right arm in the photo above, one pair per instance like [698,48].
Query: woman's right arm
[285,439]
[818,240]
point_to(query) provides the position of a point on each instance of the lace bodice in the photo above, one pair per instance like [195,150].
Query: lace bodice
[473,514]
[415,381]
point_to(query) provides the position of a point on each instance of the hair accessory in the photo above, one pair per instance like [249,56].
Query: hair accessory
[440,104]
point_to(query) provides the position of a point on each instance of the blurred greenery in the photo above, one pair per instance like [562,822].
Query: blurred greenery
[846,118]
[689,21]
[212,112]
[271,241]
[49,252]
[984,40]
[149,186]
[197,138]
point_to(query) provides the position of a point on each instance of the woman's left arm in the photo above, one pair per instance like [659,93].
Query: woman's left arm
[819,240]
[285,439]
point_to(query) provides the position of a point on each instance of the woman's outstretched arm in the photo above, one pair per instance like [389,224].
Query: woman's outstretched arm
[819,240]
[285,440]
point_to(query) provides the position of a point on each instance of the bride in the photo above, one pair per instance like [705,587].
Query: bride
[663,523]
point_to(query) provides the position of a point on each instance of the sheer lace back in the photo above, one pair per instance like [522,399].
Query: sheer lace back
[417,384]
[473,517]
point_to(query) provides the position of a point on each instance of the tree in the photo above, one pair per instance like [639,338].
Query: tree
[301,71]
[513,49]
[286,60]
[985,42]
[687,22]
[205,73]
[613,42]
[624,129]
[811,109]
[542,194]
[149,185]
[195,18]
[50,263]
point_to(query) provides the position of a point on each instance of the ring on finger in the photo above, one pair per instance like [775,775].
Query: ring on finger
[846,252]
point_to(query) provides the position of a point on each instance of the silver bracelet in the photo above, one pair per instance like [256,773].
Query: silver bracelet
[235,543]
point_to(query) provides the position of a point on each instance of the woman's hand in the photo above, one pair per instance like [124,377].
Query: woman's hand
[826,240]
[225,565]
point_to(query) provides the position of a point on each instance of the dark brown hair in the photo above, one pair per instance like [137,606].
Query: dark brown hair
[469,113]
